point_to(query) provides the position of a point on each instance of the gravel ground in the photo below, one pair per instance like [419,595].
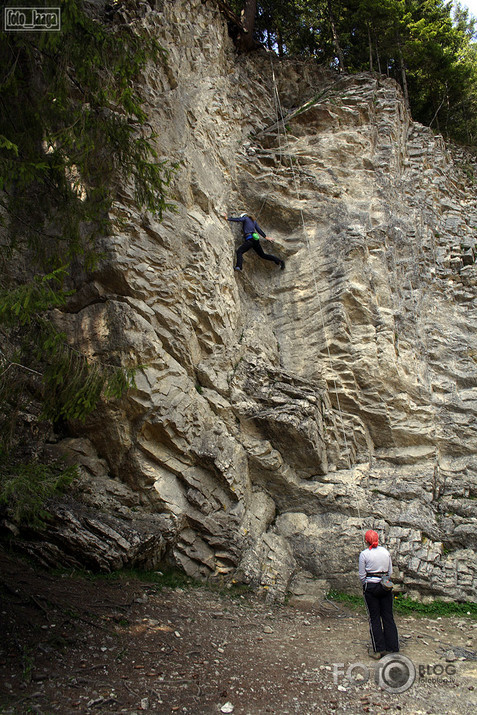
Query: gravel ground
[75,645]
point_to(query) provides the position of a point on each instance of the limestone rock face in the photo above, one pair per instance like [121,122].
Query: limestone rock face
[281,413]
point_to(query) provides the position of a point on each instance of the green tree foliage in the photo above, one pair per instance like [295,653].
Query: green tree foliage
[71,125]
[25,488]
[433,57]
[428,46]
[72,131]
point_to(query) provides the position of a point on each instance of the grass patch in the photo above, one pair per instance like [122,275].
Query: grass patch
[163,577]
[356,603]
[407,606]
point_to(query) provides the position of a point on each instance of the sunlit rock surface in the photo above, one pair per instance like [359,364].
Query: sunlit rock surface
[280,413]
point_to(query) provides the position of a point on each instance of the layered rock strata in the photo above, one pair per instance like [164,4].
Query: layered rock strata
[279,414]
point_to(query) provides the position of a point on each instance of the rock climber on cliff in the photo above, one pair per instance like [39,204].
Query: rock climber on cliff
[252,232]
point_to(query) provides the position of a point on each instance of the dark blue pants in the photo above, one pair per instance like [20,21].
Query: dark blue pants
[379,604]
[252,243]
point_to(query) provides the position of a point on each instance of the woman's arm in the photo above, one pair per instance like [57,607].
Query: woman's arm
[260,231]
[362,567]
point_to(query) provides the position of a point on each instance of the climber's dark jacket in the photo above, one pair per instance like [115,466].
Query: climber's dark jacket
[248,226]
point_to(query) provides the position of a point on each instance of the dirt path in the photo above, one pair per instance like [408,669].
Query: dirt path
[72,645]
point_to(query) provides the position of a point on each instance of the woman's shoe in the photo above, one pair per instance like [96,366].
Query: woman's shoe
[375,656]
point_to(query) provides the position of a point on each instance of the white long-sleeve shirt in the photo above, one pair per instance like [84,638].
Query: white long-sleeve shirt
[376,560]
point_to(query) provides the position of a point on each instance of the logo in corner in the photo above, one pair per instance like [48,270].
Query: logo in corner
[395,673]
[32,19]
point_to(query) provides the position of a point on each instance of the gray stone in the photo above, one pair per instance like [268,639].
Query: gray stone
[279,414]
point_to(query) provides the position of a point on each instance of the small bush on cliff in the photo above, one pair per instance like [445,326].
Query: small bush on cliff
[25,489]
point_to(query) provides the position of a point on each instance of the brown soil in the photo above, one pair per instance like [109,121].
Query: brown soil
[74,645]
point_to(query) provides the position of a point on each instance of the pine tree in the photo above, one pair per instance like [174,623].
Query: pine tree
[72,128]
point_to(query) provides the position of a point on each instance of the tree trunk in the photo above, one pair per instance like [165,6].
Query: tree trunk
[370,44]
[247,16]
[378,59]
[403,71]
[336,39]
[280,43]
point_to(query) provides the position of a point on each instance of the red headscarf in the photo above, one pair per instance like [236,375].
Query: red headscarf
[371,538]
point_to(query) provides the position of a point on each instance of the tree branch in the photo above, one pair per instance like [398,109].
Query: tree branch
[229,13]
[24,367]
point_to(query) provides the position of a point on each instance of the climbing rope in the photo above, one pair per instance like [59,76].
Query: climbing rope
[281,121]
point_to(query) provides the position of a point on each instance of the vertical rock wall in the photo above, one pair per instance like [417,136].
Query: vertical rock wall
[280,413]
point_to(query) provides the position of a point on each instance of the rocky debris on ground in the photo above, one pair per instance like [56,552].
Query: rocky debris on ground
[79,645]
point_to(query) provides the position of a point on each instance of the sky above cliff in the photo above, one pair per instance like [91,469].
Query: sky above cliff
[472,5]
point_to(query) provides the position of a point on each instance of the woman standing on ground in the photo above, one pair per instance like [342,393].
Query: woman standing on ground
[374,563]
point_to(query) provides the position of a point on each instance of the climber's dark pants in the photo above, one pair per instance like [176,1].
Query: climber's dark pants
[379,603]
[252,243]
